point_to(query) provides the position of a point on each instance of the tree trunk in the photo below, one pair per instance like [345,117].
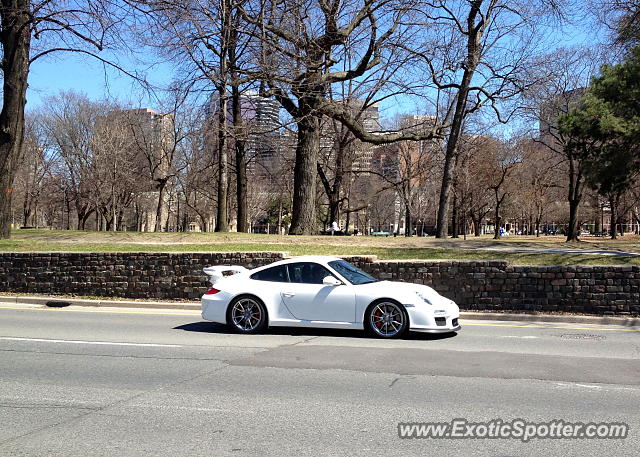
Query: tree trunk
[239,134]
[16,41]
[204,227]
[598,225]
[613,204]
[82,219]
[347,223]
[333,192]
[241,183]
[575,195]
[303,220]
[451,151]
[454,218]
[279,227]
[477,222]
[67,205]
[408,229]
[26,210]
[222,216]
[162,184]
[572,229]
[496,229]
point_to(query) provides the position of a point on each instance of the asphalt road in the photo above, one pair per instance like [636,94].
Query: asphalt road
[85,382]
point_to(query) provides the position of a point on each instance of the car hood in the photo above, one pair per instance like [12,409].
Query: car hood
[404,292]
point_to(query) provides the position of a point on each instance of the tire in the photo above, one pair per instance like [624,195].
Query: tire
[247,314]
[386,319]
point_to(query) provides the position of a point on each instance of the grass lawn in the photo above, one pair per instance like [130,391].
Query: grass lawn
[482,248]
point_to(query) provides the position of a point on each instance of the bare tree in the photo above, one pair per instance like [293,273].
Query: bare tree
[59,26]
[156,139]
[472,180]
[505,159]
[69,123]
[207,40]
[303,52]
[34,170]
[540,175]
[475,55]
[569,71]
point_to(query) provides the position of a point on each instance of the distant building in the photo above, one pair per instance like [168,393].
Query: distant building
[405,158]
[555,107]
[151,138]
[261,116]
[359,153]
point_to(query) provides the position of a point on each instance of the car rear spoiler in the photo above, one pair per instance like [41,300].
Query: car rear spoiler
[216,273]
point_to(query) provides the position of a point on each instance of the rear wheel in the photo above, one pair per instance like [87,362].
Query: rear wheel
[386,319]
[247,314]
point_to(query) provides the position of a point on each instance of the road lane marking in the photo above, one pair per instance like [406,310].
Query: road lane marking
[594,388]
[552,327]
[101,343]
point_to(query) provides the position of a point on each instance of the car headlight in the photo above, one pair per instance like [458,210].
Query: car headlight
[423,298]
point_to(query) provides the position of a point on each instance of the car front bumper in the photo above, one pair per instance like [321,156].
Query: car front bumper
[422,319]
[436,330]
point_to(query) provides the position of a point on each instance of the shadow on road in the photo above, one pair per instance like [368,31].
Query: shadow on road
[212,327]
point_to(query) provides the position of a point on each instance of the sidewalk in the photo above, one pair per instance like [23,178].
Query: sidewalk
[58,302]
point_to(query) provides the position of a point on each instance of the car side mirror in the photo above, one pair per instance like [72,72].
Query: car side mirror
[331,281]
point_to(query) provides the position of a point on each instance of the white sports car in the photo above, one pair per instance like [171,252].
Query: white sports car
[324,292]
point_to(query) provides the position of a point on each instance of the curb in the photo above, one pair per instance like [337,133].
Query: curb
[55,302]
[58,302]
[535,317]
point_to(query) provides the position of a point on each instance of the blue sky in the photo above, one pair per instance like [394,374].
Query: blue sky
[66,71]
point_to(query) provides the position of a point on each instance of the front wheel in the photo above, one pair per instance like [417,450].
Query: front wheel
[386,319]
[247,314]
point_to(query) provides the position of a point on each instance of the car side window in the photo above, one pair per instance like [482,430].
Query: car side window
[273,274]
[307,273]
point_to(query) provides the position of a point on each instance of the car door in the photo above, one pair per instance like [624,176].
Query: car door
[308,299]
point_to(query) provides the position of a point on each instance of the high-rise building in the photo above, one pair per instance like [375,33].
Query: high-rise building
[262,118]
[150,140]
[360,153]
[555,107]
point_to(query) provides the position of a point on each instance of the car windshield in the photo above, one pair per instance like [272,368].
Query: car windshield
[353,274]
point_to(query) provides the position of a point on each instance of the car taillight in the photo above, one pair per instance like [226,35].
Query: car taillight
[212,291]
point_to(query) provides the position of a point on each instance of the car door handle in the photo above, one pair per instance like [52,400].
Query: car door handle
[288,294]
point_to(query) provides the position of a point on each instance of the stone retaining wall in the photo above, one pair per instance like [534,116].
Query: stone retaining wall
[497,285]
[126,275]
[474,285]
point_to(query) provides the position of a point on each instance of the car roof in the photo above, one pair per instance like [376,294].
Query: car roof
[303,258]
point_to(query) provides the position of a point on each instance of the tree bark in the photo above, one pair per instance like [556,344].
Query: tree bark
[162,184]
[82,218]
[572,229]
[575,195]
[454,218]
[222,216]
[16,41]
[408,228]
[241,161]
[496,229]
[304,184]
[476,224]
[613,204]
[333,192]
[473,54]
